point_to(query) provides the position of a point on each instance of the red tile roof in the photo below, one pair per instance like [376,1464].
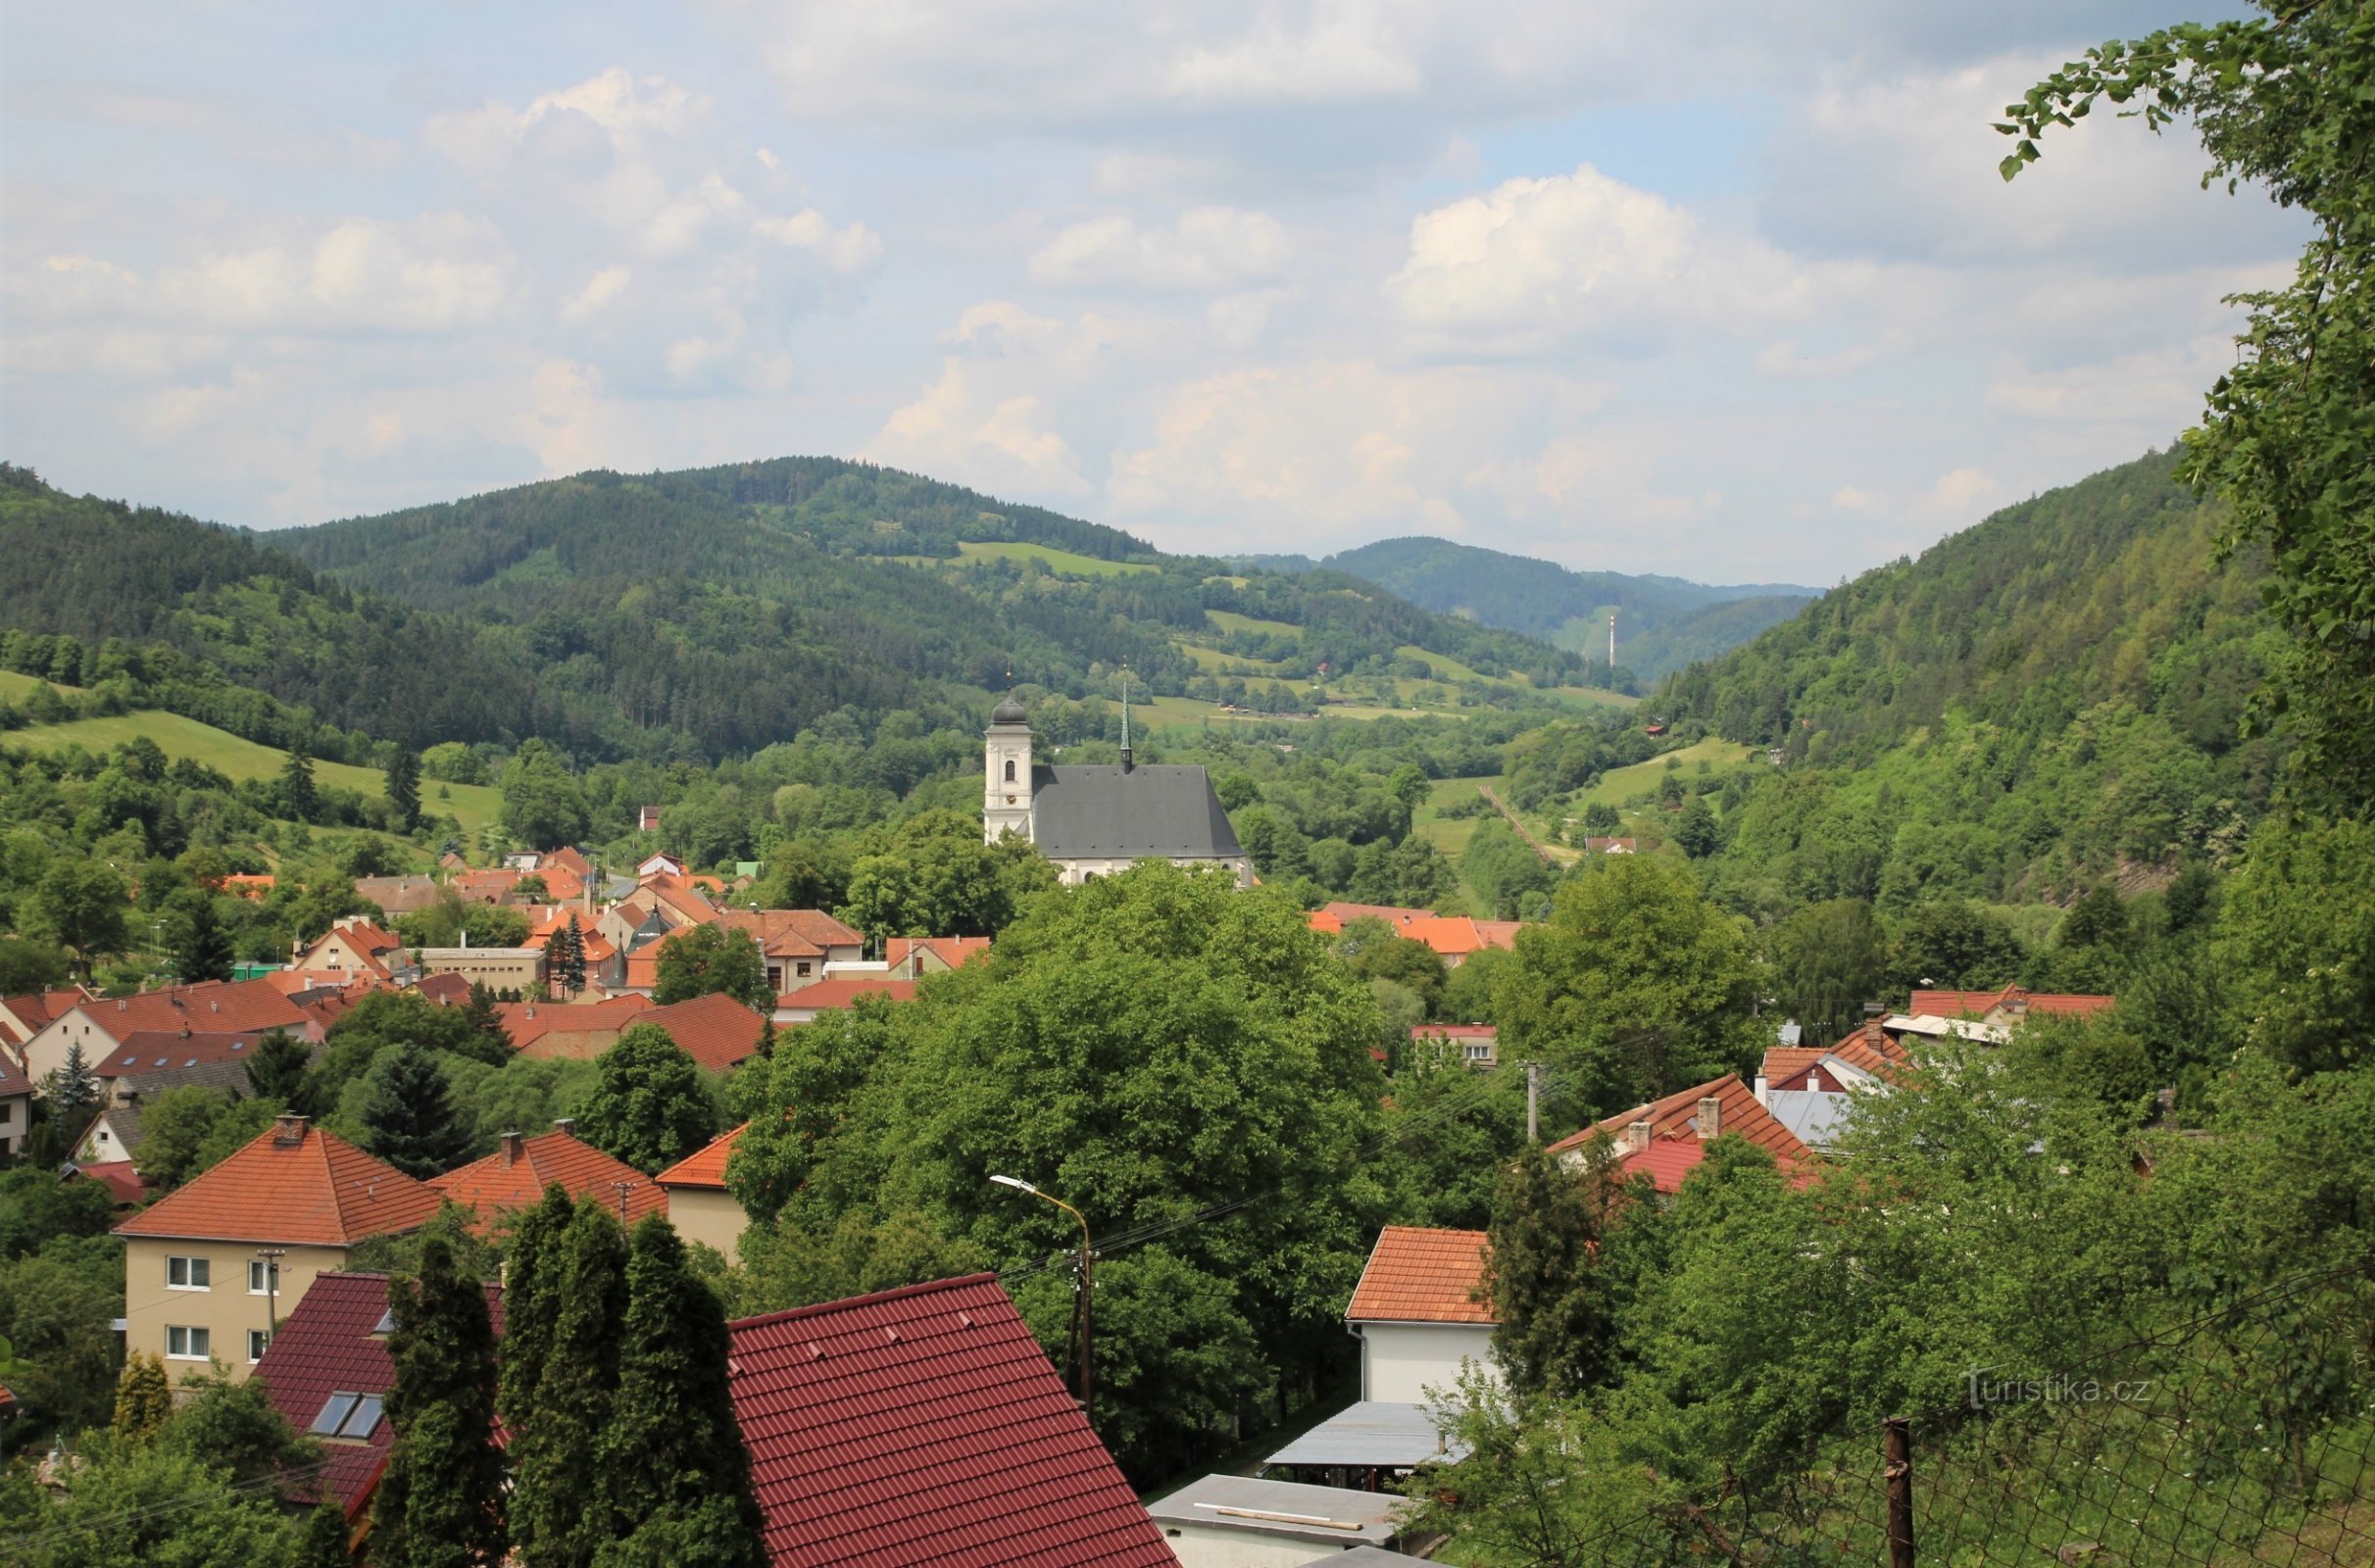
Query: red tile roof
[327,1346]
[529,1021]
[704,1166]
[11,1077]
[1455,1031]
[314,1189]
[564,858]
[445,990]
[1667,1163]
[1420,1275]
[843,992]
[1451,936]
[1676,1117]
[1979,1003]
[236,1006]
[121,1181]
[954,952]
[789,933]
[508,1181]
[925,1426]
[715,1030]
[159,1051]
[37,1010]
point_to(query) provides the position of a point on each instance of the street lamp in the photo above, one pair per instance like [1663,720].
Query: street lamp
[1088,1256]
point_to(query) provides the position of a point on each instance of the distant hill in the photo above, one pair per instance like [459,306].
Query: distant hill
[1662,624]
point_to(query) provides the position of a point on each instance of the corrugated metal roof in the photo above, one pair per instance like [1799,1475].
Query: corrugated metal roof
[1374,1434]
[1162,811]
[925,1426]
[1322,1515]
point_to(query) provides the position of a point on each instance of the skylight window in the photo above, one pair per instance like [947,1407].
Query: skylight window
[347,1415]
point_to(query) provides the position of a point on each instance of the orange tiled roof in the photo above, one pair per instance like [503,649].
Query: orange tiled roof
[1676,1116]
[508,1179]
[37,1010]
[951,950]
[1979,1003]
[526,1022]
[715,1030]
[789,933]
[236,1006]
[844,992]
[1788,1061]
[300,1187]
[704,1166]
[1451,936]
[1420,1275]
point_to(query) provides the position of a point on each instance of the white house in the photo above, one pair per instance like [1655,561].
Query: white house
[1418,1314]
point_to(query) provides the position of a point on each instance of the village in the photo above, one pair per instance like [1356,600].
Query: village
[256,1265]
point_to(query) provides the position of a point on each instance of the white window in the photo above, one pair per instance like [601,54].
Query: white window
[1479,1052]
[263,1278]
[257,1340]
[189,1274]
[189,1344]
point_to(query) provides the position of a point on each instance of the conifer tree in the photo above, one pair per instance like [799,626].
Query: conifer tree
[533,1266]
[276,1071]
[73,1090]
[570,960]
[1558,1320]
[299,797]
[204,952]
[440,1501]
[480,1013]
[408,1115]
[322,1540]
[676,1479]
[144,1399]
[553,1492]
[404,788]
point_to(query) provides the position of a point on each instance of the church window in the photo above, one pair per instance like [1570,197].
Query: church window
[1009,770]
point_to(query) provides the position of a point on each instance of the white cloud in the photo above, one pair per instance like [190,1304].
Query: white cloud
[851,247]
[1209,250]
[1783,361]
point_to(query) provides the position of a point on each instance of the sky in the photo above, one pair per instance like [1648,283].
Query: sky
[1726,290]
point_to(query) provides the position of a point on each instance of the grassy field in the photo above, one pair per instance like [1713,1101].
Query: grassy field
[1211,660]
[1619,784]
[1592,697]
[16,688]
[1230,620]
[473,804]
[1445,667]
[1450,835]
[1060,562]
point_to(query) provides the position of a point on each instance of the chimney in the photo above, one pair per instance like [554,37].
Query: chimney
[565,1124]
[513,1146]
[288,1131]
[1637,1137]
[1710,1117]
[1814,1080]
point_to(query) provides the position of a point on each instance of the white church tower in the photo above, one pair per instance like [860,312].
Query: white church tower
[1006,777]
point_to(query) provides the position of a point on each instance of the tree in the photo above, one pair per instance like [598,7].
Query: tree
[649,1107]
[1637,986]
[72,1089]
[408,1115]
[81,904]
[1953,943]
[277,1072]
[295,791]
[1828,960]
[2279,101]
[567,954]
[543,804]
[1697,835]
[555,1494]
[439,1503]
[675,1474]
[29,965]
[2296,940]
[705,959]
[1543,1274]
[937,879]
[144,1399]
[404,788]
[532,1269]
[204,950]
[189,1128]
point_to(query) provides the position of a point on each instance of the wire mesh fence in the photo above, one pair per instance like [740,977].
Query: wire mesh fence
[2244,1435]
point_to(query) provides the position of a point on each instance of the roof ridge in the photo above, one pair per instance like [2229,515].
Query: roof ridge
[896,1292]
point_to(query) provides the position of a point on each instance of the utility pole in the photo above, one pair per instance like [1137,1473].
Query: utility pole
[1087,1291]
[1533,1103]
[272,1257]
[623,1188]
[1898,1472]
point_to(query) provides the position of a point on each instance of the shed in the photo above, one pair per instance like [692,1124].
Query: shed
[1227,1521]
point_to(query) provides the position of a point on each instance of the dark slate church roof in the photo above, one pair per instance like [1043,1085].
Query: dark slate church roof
[1160,810]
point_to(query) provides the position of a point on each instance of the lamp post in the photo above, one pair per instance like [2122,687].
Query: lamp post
[1088,1258]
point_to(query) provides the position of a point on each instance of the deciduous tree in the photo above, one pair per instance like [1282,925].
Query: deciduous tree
[649,1107]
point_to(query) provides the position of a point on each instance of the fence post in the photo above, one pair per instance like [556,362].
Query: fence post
[1897,1439]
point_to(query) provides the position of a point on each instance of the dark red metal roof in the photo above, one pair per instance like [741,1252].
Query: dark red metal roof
[327,1346]
[924,1426]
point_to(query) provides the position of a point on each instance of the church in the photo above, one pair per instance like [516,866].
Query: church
[1095,819]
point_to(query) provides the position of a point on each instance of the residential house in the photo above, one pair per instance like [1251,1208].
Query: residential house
[655,908]
[515,1176]
[914,958]
[397,895]
[1609,845]
[1454,938]
[1096,819]
[1476,1044]
[603,965]
[154,1060]
[1810,1089]
[1227,1521]
[575,1031]
[353,948]
[828,995]
[328,1373]
[1665,1140]
[1418,1316]
[493,885]
[22,1017]
[2000,1011]
[16,1106]
[123,1182]
[566,859]
[212,1267]
[715,1030]
[100,1027]
[660,865]
[926,1425]
[444,990]
[795,944]
[131,1083]
[697,1202]
[516,970]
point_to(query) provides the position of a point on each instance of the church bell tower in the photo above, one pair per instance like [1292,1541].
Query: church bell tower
[1005,775]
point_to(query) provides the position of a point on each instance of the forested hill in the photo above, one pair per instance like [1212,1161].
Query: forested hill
[1662,624]
[2105,590]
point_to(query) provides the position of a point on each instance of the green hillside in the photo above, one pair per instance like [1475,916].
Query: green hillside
[1662,624]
